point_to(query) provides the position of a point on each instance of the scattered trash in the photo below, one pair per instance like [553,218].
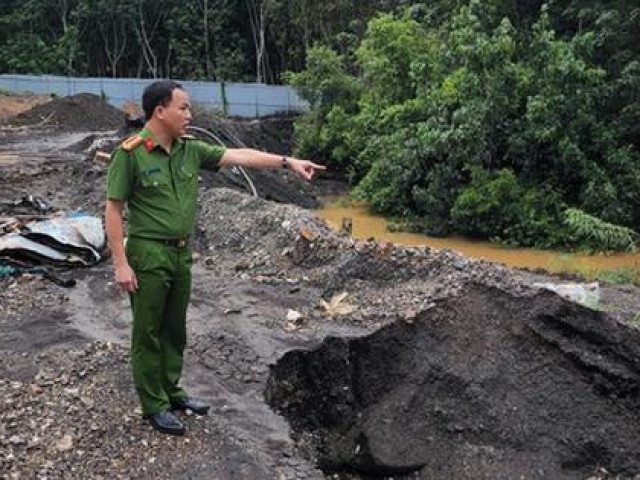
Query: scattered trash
[409,316]
[32,244]
[587,294]
[102,158]
[347,226]
[8,225]
[65,443]
[26,204]
[337,305]
[8,271]
[294,315]
[70,241]
[308,234]
[295,320]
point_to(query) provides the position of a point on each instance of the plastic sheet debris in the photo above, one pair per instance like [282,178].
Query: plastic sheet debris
[19,250]
[587,294]
[7,271]
[72,241]
[82,235]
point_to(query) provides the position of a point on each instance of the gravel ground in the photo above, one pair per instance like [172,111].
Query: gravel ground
[268,279]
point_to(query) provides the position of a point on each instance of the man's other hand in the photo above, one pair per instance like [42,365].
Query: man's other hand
[126,278]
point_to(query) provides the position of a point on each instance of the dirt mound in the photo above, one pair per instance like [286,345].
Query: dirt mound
[284,237]
[485,385]
[11,105]
[79,113]
[271,134]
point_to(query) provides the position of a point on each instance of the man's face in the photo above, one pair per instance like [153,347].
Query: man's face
[176,115]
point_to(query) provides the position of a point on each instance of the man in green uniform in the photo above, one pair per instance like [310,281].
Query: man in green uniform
[155,174]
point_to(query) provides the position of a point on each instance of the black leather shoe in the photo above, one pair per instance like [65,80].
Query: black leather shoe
[189,403]
[166,422]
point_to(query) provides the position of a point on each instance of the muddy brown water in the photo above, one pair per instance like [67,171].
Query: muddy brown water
[366,225]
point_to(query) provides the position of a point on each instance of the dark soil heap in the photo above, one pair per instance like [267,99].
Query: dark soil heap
[271,134]
[83,112]
[487,385]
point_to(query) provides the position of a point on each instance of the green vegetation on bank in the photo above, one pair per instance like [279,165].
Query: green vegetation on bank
[519,124]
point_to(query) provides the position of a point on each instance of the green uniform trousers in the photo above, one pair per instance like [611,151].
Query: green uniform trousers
[159,307]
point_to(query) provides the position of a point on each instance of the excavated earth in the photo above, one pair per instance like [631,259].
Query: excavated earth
[432,366]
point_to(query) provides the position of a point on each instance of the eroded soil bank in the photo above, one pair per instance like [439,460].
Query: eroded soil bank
[475,368]
[482,385]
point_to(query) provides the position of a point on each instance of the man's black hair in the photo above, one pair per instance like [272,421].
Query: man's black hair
[158,93]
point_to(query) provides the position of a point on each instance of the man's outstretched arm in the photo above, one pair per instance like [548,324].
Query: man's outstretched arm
[250,158]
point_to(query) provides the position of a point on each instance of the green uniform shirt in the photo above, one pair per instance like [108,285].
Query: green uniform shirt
[160,189]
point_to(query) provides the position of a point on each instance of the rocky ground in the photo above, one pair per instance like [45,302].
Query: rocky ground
[316,352]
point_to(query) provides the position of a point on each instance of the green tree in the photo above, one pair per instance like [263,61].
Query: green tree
[482,126]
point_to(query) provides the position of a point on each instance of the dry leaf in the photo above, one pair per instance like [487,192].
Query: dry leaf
[337,305]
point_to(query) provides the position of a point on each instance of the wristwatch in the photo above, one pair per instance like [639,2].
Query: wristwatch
[285,162]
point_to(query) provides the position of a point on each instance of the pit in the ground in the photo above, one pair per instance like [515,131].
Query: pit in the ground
[484,385]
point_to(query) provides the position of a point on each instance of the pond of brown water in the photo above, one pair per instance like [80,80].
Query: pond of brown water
[367,225]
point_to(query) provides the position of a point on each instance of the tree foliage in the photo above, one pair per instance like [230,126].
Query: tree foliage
[247,40]
[489,119]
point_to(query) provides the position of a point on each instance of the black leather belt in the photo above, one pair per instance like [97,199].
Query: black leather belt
[176,242]
[171,242]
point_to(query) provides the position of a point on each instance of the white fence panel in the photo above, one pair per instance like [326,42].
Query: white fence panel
[235,99]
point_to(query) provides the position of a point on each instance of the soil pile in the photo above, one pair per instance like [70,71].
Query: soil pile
[276,238]
[84,112]
[270,134]
[281,186]
[484,385]
[465,369]
[274,135]
[11,105]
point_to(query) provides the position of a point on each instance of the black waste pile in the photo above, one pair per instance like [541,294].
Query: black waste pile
[84,112]
[35,240]
[482,385]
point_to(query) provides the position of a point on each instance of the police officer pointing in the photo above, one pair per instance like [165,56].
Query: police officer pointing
[155,175]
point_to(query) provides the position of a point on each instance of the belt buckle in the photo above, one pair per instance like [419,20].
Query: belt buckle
[182,243]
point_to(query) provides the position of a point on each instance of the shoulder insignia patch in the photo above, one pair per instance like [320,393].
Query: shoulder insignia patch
[186,136]
[131,143]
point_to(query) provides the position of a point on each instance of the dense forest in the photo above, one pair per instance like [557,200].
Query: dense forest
[517,121]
